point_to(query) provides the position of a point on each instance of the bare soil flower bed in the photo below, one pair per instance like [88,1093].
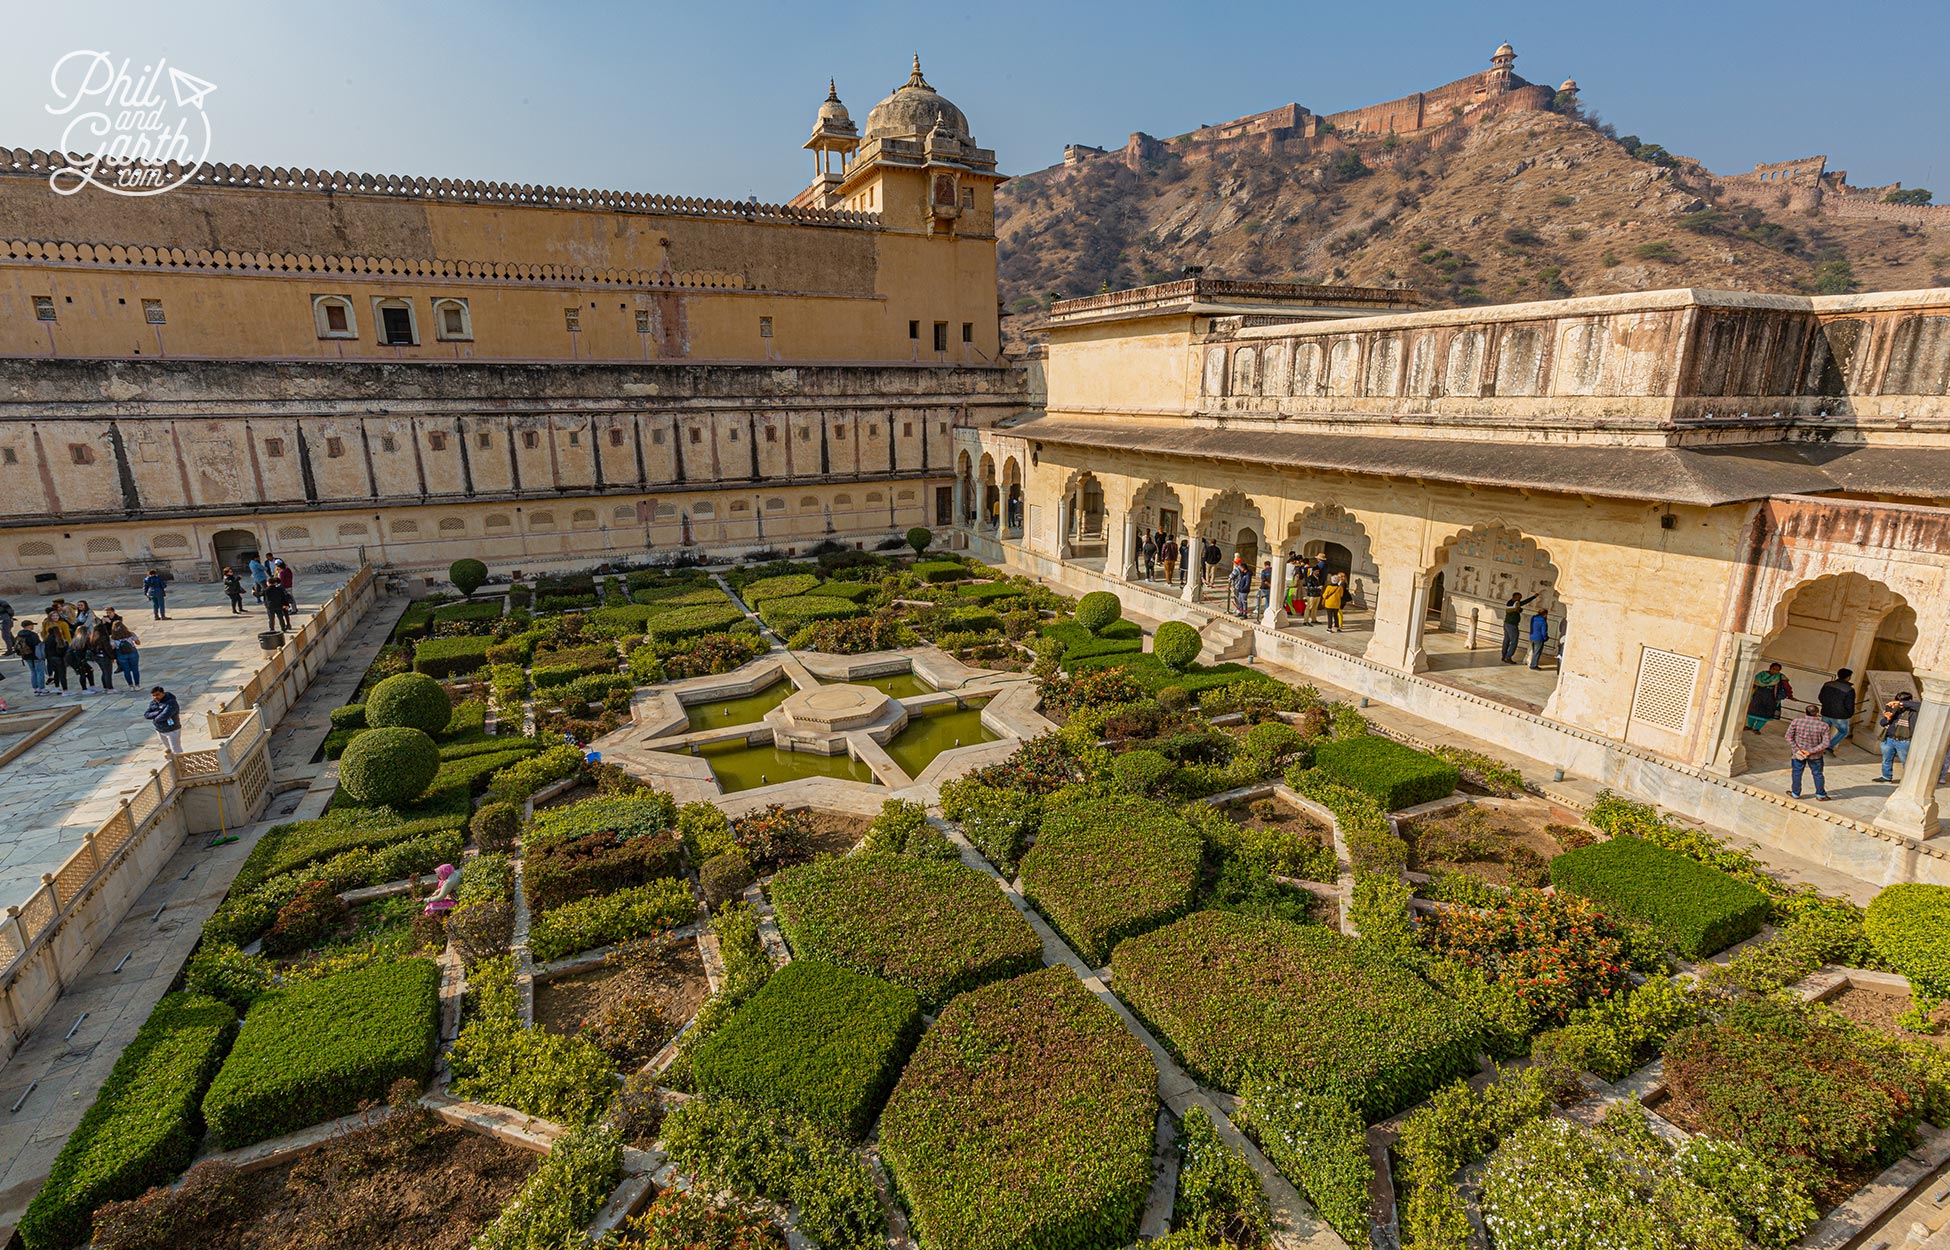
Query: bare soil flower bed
[831,833]
[1270,813]
[1877,1010]
[631,1005]
[1504,844]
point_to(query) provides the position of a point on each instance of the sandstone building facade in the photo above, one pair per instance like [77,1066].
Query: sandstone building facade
[1692,484]
[342,366]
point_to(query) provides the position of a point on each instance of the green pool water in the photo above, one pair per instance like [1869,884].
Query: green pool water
[743,768]
[925,737]
[741,711]
[894,685]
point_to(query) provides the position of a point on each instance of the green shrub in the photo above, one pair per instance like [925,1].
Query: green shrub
[1218,1192]
[853,592]
[689,622]
[816,1039]
[1273,742]
[725,877]
[928,842]
[1318,1142]
[351,716]
[144,1125]
[938,928]
[898,821]
[919,537]
[992,592]
[1176,645]
[611,918]
[1458,1126]
[940,571]
[488,611]
[1242,999]
[1143,772]
[1098,609]
[705,831]
[411,700]
[495,826]
[762,1152]
[784,586]
[1909,926]
[789,615]
[619,817]
[559,668]
[1616,1037]
[1025,1118]
[1076,642]
[999,821]
[1393,775]
[388,767]
[522,778]
[451,657]
[222,971]
[467,575]
[557,873]
[566,1191]
[1104,870]
[496,1059]
[1696,910]
[318,1049]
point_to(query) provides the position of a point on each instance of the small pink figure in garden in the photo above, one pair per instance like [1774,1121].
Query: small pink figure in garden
[442,901]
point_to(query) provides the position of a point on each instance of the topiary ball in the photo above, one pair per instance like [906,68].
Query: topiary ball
[919,537]
[1098,609]
[1274,740]
[1143,771]
[467,576]
[387,767]
[411,701]
[1176,645]
[1909,926]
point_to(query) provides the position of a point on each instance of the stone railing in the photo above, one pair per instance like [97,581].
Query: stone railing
[60,252]
[46,942]
[453,190]
[1185,290]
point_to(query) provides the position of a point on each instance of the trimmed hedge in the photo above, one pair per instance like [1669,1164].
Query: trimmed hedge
[988,592]
[934,926]
[489,611]
[1240,998]
[410,701]
[1025,1118]
[1909,926]
[790,614]
[851,591]
[685,595]
[317,1049]
[1393,775]
[816,1039]
[689,622]
[1077,643]
[608,919]
[1698,910]
[1103,870]
[389,766]
[144,1125]
[621,816]
[351,716]
[451,657]
[784,586]
[516,781]
[940,571]
[1152,674]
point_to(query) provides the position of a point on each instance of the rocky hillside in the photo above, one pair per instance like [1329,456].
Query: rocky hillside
[1529,206]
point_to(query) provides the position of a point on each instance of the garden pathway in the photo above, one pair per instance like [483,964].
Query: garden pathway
[1299,1228]
[54,1077]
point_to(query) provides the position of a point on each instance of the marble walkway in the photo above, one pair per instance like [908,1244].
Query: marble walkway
[66,785]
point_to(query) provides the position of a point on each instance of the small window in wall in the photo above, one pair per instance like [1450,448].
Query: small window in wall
[968,197]
[697,435]
[657,438]
[839,434]
[739,505]
[643,321]
[873,431]
[575,438]
[334,446]
[944,427]
[572,319]
[388,443]
[941,336]
[44,308]
[9,456]
[483,439]
[615,438]
[81,453]
[771,434]
[396,328]
[765,327]
[731,434]
[805,434]
[775,505]
[437,440]
[332,317]
[914,329]
[274,447]
[530,439]
[451,320]
[152,312]
[907,429]
[968,332]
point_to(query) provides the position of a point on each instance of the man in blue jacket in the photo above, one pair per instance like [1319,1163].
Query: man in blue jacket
[156,588]
[1540,635]
[167,716]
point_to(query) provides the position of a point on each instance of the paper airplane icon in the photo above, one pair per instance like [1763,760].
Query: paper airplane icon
[189,89]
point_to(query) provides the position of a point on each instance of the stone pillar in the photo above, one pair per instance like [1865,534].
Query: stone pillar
[1063,529]
[1730,751]
[1275,615]
[1127,556]
[1190,566]
[1911,810]
[1415,658]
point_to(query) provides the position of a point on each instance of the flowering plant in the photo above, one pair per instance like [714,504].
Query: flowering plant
[1557,952]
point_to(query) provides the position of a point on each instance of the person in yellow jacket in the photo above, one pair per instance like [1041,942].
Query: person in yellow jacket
[1332,595]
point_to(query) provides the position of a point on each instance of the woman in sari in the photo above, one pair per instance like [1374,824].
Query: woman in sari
[1764,705]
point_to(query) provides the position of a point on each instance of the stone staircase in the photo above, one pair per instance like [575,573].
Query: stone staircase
[1226,639]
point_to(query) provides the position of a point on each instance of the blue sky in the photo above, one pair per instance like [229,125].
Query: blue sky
[715,99]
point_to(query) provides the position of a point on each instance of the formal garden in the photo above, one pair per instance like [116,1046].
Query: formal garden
[1408,998]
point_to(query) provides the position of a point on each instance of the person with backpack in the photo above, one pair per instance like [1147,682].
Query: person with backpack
[1837,699]
[128,657]
[78,662]
[1898,723]
[166,715]
[1150,553]
[101,653]
[1211,557]
[156,589]
[1241,580]
[54,648]
[1332,596]
[1185,558]
[6,625]
[233,586]
[27,645]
